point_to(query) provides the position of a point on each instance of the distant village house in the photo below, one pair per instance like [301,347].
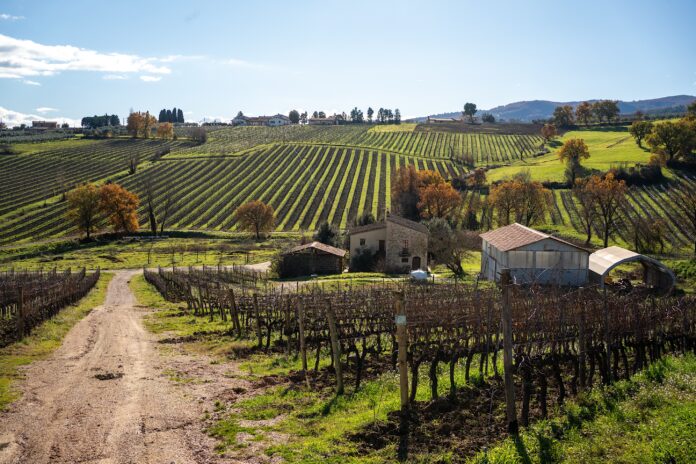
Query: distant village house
[44,125]
[270,121]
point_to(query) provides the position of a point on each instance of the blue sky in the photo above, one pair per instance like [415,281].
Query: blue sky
[214,58]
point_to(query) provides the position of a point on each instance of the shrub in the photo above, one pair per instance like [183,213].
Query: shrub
[362,260]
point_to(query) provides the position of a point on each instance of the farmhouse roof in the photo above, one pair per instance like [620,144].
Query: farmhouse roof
[367,227]
[281,116]
[516,235]
[417,226]
[318,246]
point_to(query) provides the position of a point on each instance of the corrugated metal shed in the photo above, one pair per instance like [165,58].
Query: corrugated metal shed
[655,273]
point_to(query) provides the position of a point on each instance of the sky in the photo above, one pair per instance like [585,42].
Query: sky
[65,60]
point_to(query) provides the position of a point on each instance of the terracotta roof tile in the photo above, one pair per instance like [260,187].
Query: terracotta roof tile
[318,246]
[516,235]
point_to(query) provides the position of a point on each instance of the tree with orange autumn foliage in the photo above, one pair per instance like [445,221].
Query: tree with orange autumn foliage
[548,132]
[572,152]
[424,193]
[140,124]
[527,200]
[165,130]
[84,208]
[438,200]
[120,206]
[255,216]
[606,194]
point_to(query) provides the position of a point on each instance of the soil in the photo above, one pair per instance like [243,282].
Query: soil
[106,395]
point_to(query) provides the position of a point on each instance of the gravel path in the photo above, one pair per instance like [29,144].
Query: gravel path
[102,397]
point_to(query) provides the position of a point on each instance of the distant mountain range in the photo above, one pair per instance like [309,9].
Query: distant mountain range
[542,109]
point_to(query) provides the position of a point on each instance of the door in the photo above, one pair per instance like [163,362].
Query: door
[416,263]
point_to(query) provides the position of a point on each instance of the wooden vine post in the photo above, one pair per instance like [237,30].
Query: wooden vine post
[402,340]
[301,335]
[20,313]
[335,347]
[607,341]
[510,408]
[257,315]
[582,349]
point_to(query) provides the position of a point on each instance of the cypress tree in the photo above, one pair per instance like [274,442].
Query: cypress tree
[180,116]
[173,118]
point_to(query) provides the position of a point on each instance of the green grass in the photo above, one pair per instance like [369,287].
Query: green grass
[225,248]
[44,340]
[173,319]
[648,419]
[607,148]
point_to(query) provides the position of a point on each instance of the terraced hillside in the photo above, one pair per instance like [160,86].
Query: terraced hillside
[304,183]
[34,176]
[484,148]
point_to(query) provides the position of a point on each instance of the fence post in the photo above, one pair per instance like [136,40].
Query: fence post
[257,316]
[510,408]
[20,314]
[607,342]
[335,347]
[301,334]
[402,340]
[582,348]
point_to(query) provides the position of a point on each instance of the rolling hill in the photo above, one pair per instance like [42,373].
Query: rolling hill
[542,109]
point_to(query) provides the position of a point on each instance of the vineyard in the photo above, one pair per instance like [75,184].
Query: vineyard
[536,347]
[308,174]
[651,202]
[483,148]
[305,184]
[44,174]
[29,298]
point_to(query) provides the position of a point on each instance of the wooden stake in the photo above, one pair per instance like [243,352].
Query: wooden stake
[510,408]
[303,346]
[335,347]
[258,320]
[402,340]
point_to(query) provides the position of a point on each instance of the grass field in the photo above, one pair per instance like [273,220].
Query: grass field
[607,148]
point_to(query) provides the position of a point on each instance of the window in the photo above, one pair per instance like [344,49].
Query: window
[362,242]
[404,260]
[405,244]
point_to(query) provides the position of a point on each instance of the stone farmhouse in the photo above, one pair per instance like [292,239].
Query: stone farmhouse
[402,243]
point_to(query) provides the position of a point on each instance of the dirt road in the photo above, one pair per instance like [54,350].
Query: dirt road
[102,397]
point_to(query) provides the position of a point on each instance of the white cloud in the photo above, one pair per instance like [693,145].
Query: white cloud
[150,78]
[243,64]
[9,17]
[15,118]
[30,82]
[46,109]
[21,58]
[114,77]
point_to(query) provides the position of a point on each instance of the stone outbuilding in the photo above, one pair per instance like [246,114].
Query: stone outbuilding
[401,242]
[312,258]
[655,274]
[532,257]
